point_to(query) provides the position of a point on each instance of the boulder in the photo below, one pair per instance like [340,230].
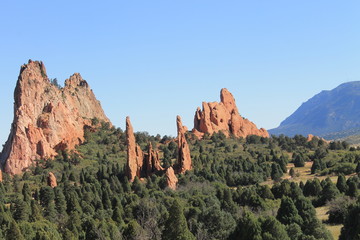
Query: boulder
[52,180]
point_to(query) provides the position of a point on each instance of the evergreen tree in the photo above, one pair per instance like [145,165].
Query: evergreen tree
[357,170]
[276,172]
[329,191]
[248,228]
[299,160]
[272,229]
[351,229]
[341,183]
[60,201]
[176,227]
[26,192]
[288,213]
[21,210]
[14,232]
[35,211]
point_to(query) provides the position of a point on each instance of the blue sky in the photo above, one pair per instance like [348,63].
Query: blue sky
[153,60]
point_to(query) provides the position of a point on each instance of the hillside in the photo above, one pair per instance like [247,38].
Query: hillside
[330,114]
[238,189]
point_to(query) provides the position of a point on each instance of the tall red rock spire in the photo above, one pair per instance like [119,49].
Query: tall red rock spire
[184,157]
[47,118]
[225,117]
[134,153]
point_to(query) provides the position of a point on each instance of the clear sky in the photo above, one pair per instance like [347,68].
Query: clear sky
[153,60]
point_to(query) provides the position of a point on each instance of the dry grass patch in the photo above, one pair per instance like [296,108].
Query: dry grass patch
[321,213]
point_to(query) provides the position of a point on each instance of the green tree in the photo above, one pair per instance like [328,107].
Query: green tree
[14,232]
[341,183]
[60,201]
[276,172]
[21,210]
[272,229]
[248,228]
[288,213]
[329,191]
[176,227]
[299,160]
[351,229]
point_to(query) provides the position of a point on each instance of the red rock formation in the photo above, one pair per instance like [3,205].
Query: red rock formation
[310,137]
[47,118]
[1,176]
[152,161]
[225,117]
[139,164]
[171,179]
[52,180]
[184,158]
[135,155]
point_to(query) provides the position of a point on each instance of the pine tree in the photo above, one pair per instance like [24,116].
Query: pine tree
[341,183]
[176,227]
[35,211]
[288,213]
[273,229]
[248,228]
[21,210]
[14,232]
[60,201]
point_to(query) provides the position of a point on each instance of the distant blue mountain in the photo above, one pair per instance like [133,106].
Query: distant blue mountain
[329,113]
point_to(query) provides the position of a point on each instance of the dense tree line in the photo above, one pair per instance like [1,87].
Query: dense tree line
[222,198]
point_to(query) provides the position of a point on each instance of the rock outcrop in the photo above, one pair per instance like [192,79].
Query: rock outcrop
[52,180]
[135,155]
[47,118]
[184,157]
[139,164]
[171,179]
[1,176]
[152,161]
[225,117]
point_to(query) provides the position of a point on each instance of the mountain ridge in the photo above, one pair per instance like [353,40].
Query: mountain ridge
[329,111]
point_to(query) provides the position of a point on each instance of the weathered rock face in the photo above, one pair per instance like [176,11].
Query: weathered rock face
[171,179]
[184,157]
[47,118]
[139,164]
[52,180]
[225,117]
[1,176]
[152,161]
[135,155]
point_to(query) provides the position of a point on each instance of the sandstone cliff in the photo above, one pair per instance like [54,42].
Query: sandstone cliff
[47,118]
[225,117]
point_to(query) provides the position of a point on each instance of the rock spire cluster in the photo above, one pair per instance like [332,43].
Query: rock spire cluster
[47,118]
[140,164]
[224,116]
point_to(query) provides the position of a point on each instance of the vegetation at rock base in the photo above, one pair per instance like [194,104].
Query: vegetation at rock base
[238,189]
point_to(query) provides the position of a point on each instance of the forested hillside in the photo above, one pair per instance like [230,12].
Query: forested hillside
[251,188]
